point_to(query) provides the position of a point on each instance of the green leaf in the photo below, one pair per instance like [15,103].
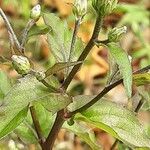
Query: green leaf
[28,90]
[26,132]
[60,66]
[38,30]
[85,133]
[5,84]
[141,79]
[9,121]
[59,39]
[125,68]
[117,121]
[54,101]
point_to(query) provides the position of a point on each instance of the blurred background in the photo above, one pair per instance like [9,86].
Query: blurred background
[91,78]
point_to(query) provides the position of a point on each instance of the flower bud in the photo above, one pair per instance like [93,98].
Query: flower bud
[40,75]
[21,64]
[104,7]
[80,8]
[115,34]
[35,12]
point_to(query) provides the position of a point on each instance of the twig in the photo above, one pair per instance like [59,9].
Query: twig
[10,30]
[74,36]
[102,93]
[85,52]
[25,33]
[37,127]
[54,131]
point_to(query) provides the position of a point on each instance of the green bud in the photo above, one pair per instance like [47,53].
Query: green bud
[21,64]
[80,8]
[40,75]
[35,12]
[104,7]
[115,34]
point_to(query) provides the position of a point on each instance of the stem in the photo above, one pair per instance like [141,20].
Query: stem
[138,107]
[85,52]
[74,37]
[54,131]
[37,126]
[50,86]
[25,33]
[11,42]
[10,29]
[102,93]
[98,97]
[59,118]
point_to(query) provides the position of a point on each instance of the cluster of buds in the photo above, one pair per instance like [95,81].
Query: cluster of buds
[35,12]
[80,8]
[115,34]
[21,64]
[104,7]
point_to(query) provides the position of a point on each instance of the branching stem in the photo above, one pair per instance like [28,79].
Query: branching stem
[85,52]
[103,92]
[60,115]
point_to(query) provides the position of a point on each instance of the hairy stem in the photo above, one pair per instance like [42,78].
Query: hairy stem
[54,131]
[85,52]
[10,30]
[74,37]
[37,127]
[25,33]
